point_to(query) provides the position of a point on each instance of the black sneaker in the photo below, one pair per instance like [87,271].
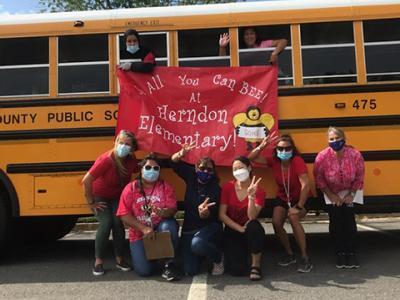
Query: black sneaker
[287,260]
[98,270]
[340,260]
[352,262]
[305,265]
[123,266]
[170,273]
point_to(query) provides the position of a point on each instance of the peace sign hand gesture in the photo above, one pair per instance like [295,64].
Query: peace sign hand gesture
[186,148]
[203,208]
[252,189]
[268,140]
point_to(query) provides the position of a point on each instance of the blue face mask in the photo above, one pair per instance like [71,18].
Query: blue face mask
[132,49]
[337,145]
[204,177]
[123,150]
[283,155]
[150,175]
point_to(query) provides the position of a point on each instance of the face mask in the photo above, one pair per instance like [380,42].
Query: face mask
[204,177]
[241,174]
[337,145]
[123,150]
[150,175]
[132,49]
[283,155]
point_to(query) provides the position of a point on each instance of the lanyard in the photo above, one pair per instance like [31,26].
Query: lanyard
[286,187]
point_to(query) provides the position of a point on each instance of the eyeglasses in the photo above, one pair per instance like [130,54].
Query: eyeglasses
[155,168]
[288,148]
[204,169]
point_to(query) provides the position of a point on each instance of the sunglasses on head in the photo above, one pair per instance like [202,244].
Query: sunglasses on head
[206,169]
[279,148]
[155,168]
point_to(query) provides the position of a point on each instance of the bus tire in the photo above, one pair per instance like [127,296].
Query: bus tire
[46,229]
[4,219]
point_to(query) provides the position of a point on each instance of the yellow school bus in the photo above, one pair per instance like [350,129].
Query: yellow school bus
[59,92]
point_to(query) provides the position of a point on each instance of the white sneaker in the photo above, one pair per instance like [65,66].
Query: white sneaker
[218,268]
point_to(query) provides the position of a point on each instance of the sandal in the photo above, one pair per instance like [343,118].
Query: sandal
[255,273]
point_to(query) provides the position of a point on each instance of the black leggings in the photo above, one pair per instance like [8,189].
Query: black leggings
[342,228]
[238,246]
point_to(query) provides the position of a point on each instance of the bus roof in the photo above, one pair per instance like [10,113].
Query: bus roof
[189,10]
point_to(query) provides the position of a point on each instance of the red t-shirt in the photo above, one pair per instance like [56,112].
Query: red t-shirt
[133,202]
[237,210]
[107,182]
[297,167]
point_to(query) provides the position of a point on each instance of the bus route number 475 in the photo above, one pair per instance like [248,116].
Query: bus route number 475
[365,104]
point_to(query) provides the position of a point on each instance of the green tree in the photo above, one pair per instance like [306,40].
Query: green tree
[74,5]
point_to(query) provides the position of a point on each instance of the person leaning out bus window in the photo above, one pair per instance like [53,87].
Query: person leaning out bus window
[136,50]
[103,185]
[202,230]
[241,202]
[339,174]
[290,174]
[148,204]
[251,39]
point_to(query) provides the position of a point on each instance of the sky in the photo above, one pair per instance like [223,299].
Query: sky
[19,6]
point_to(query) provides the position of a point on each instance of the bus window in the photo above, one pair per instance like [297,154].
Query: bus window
[382,48]
[157,42]
[83,64]
[259,56]
[24,66]
[328,53]
[199,48]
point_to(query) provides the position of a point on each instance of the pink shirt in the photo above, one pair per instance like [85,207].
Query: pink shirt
[265,44]
[342,174]
[133,202]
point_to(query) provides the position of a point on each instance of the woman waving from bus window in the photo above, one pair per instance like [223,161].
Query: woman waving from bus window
[290,174]
[147,205]
[137,51]
[202,231]
[251,39]
[339,174]
[103,185]
[241,202]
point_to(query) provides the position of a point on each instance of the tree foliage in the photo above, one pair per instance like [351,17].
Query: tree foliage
[75,5]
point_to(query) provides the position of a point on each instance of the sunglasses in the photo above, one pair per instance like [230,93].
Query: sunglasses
[204,169]
[288,148]
[155,168]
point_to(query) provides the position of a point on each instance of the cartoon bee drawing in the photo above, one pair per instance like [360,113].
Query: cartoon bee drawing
[253,126]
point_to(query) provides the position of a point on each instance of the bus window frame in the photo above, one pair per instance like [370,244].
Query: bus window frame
[119,35]
[28,66]
[88,63]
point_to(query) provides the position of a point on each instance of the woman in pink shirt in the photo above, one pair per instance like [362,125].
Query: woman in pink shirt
[148,204]
[251,40]
[339,174]
[103,185]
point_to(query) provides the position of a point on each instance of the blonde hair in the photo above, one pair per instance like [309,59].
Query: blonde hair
[118,161]
[339,132]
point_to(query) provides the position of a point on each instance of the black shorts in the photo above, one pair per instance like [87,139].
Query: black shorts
[279,202]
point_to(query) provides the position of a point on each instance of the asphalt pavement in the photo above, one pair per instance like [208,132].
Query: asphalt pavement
[62,270]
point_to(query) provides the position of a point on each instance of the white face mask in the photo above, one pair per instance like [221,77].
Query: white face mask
[241,174]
